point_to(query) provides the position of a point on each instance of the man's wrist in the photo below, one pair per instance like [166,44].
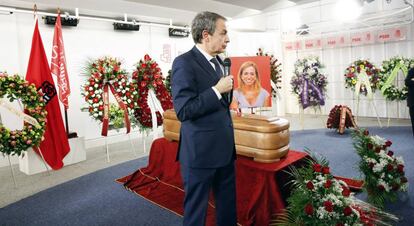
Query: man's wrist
[217,92]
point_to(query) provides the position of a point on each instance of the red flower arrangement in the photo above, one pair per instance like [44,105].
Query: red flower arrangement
[147,76]
[107,71]
[383,171]
[340,117]
[318,198]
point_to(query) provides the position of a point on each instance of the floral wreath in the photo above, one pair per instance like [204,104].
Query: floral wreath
[309,83]
[105,73]
[318,198]
[389,73]
[365,83]
[383,171]
[275,71]
[340,117]
[167,82]
[147,76]
[16,142]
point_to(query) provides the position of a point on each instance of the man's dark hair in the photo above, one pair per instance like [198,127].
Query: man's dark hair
[204,21]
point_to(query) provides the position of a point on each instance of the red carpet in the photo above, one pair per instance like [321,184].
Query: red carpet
[258,193]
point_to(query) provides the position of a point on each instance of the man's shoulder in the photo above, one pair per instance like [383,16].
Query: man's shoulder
[185,58]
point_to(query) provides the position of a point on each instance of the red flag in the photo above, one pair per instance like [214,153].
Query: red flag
[55,146]
[58,64]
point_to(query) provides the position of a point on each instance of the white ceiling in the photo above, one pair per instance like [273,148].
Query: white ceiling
[180,12]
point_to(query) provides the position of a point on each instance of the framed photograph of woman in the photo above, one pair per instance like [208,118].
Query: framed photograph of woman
[251,82]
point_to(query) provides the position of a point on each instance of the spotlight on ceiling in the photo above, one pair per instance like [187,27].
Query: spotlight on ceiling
[126,27]
[65,21]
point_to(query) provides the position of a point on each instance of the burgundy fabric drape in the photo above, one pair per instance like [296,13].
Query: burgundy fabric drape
[259,192]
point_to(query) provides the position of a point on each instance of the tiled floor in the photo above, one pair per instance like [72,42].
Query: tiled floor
[121,152]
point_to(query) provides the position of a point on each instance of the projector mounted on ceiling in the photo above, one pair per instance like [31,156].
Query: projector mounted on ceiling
[126,27]
[66,21]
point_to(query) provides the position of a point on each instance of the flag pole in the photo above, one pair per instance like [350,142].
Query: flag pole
[66,122]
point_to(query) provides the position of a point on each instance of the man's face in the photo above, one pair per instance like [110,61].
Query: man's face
[217,42]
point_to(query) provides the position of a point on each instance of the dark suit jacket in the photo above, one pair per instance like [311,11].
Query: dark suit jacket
[410,85]
[206,136]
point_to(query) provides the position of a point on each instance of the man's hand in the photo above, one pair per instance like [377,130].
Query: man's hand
[225,84]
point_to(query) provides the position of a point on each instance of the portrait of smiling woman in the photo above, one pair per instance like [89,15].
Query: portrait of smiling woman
[249,92]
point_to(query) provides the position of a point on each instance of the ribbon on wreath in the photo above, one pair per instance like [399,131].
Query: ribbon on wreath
[362,79]
[344,113]
[393,75]
[105,121]
[305,96]
[25,117]
[154,106]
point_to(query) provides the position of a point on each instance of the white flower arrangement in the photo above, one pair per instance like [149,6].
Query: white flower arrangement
[383,171]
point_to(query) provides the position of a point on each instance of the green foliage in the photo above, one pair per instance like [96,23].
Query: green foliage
[388,86]
[16,142]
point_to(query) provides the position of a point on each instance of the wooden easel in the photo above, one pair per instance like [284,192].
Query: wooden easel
[10,165]
[371,101]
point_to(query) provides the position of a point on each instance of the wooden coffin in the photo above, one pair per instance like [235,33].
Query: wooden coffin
[264,138]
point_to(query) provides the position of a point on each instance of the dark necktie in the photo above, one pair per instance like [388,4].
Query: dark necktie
[219,72]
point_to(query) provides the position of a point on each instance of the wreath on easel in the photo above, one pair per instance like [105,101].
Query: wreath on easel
[389,73]
[275,71]
[16,142]
[148,76]
[309,83]
[106,74]
[362,77]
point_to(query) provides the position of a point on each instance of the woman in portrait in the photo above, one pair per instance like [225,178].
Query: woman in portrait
[249,93]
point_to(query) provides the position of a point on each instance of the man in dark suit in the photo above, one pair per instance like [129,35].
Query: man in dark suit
[409,82]
[206,147]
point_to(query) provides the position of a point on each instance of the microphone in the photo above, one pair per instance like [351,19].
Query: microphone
[227,65]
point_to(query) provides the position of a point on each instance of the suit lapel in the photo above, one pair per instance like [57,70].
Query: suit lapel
[203,62]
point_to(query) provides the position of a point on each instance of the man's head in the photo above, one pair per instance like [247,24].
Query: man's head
[210,32]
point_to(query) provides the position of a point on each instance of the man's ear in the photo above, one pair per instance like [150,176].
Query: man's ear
[205,34]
